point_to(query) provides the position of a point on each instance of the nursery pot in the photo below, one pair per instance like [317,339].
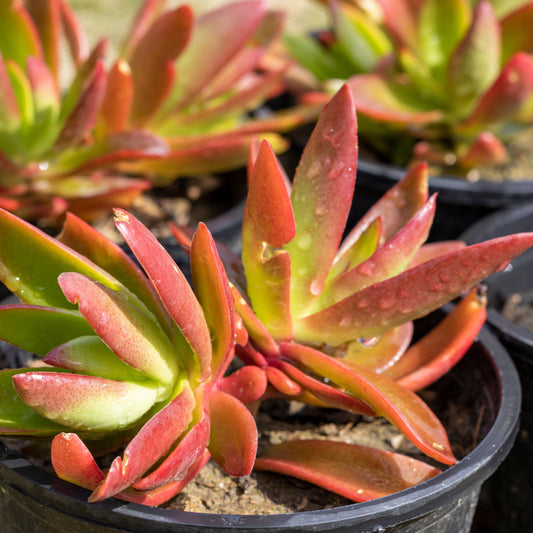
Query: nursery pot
[511,489]
[34,501]
[460,203]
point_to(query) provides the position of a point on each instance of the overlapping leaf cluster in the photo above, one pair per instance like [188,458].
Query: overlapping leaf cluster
[138,362]
[132,359]
[177,102]
[454,79]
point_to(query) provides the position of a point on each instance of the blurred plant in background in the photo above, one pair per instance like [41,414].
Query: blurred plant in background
[449,83]
[178,101]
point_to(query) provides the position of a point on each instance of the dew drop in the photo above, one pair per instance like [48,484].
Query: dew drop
[315,169]
[304,241]
[346,321]
[361,304]
[315,288]
[386,302]
[403,292]
[320,210]
[367,268]
[370,342]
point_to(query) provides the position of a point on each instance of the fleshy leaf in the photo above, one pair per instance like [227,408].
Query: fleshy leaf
[169,282]
[131,333]
[268,224]
[435,39]
[389,260]
[204,57]
[382,352]
[116,104]
[321,199]
[516,34]
[213,292]
[372,473]
[475,63]
[247,384]
[160,45]
[440,349]
[389,303]
[16,417]
[39,329]
[73,462]
[391,101]
[151,443]
[85,402]
[394,209]
[182,458]
[90,355]
[506,95]
[233,439]
[399,406]
[35,282]
[86,240]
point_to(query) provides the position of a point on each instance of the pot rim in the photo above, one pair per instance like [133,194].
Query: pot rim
[452,484]
[479,193]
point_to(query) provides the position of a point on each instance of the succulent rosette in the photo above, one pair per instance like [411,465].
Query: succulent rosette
[329,316]
[449,83]
[132,361]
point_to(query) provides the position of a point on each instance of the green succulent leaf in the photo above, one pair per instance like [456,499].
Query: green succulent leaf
[131,333]
[40,329]
[360,39]
[16,417]
[365,245]
[436,39]
[20,38]
[475,63]
[85,402]
[325,177]
[91,356]
[388,100]
[35,282]
[309,53]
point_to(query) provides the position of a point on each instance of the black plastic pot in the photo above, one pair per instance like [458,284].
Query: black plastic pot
[34,501]
[460,203]
[511,489]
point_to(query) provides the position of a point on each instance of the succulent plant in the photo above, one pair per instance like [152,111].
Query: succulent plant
[131,359]
[195,81]
[331,320]
[177,102]
[447,83]
[45,128]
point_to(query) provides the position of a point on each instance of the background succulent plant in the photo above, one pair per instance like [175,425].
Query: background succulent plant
[178,101]
[450,84]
